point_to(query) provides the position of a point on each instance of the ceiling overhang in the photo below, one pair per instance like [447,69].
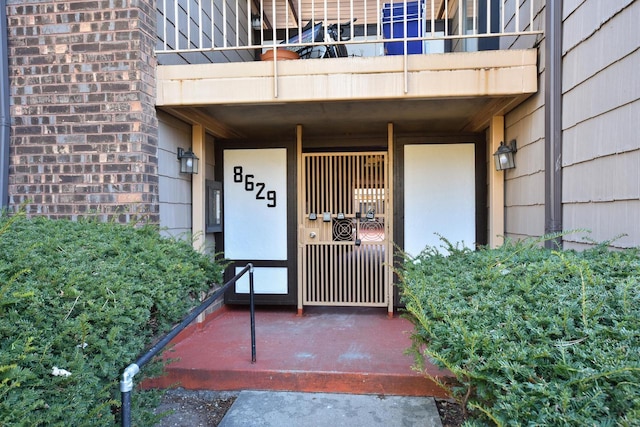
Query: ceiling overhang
[451,92]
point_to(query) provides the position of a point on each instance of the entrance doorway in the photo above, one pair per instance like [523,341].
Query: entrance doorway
[344,221]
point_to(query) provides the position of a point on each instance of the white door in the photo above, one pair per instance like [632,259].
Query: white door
[439,195]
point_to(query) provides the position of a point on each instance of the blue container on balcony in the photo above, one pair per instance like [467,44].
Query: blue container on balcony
[393,17]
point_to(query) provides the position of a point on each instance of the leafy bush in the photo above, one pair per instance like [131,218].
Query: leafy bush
[86,298]
[533,336]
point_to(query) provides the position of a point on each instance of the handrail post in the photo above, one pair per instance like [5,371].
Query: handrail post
[125,409]
[126,385]
[252,309]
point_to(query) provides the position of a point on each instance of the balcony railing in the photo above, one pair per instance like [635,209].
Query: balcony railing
[239,30]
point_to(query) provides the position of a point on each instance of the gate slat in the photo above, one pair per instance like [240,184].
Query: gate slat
[339,272]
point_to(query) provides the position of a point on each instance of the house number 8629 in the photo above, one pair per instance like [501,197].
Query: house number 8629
[250,185]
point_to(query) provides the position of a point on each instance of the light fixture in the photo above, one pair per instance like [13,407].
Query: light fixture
[256,23]
[188,161]
[504,155]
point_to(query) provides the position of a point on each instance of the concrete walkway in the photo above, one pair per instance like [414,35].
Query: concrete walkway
[280,409]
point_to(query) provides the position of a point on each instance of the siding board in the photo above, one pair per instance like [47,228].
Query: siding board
[524,186]
[525,191]
[603,92]
[601,107]
[525,221]
[617,39]
[606,221]
[605,179]
[613,132]
[174,189]
[581,21]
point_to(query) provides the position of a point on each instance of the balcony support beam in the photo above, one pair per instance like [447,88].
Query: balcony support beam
[486,74]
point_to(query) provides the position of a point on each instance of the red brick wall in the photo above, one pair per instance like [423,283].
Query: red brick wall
[83,124]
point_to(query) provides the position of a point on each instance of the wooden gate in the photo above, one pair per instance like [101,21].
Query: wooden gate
[344,228]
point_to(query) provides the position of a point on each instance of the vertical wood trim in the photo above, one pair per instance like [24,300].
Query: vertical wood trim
[198,144]
[389,215]
[301,202]
[496,185]
[483,159]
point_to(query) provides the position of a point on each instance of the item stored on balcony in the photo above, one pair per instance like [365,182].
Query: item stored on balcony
[393,26]
[329,37]
[283,54]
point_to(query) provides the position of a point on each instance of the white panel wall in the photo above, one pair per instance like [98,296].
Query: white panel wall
[266,280]
[255,214]
[174,188]
[255,204]
[439,195]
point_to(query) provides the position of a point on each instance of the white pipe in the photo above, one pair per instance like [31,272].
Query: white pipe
[130,371]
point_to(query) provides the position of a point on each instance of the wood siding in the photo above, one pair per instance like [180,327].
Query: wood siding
[174,188]
[601,107]
[524,185]
[601,148]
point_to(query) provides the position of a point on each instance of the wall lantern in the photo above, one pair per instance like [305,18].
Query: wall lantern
[504,155]
[188,161]
[256,22]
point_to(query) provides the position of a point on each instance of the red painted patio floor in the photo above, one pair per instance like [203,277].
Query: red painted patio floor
[335,350]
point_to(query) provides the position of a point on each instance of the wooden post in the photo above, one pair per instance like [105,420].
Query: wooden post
[496,185]
[389,214]
[198,188]
[198,144]
[300,216]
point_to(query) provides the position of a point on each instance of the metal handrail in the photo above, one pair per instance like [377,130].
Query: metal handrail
[126,385]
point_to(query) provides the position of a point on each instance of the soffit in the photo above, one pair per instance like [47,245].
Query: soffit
[320,119]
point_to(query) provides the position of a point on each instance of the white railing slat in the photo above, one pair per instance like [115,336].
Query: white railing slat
[185,18]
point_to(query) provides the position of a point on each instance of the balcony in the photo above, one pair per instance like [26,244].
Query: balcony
[474,57]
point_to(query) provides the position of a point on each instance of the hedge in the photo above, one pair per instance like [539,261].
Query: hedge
[78,302]
[533,336]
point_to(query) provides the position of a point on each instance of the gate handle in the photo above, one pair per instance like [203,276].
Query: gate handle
[312,235]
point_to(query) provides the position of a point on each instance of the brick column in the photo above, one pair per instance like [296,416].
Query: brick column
[84,128]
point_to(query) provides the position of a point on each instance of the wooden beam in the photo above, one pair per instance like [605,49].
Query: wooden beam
[294,12]
[481,120]
[194,116]
[264,19]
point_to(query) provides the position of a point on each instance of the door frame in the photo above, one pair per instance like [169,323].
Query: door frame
[480,143]
[290,298]
[395,154]
[481,201]
[358,144]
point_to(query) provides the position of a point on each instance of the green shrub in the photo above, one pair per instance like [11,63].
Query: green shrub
[88,298]
[533,336]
